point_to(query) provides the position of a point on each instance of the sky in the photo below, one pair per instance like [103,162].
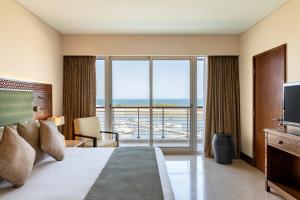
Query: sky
[131,79]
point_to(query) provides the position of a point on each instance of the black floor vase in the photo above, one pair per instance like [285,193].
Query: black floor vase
[223,147]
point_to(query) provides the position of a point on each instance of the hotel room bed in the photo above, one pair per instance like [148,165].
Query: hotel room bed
[84,173]
[72,178]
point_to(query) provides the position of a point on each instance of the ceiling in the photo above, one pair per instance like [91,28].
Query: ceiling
[151,16]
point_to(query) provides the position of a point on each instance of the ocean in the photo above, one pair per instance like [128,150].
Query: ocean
[145,102]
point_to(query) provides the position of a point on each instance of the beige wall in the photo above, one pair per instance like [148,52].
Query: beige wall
[30,49]
[150,45]
[280,27]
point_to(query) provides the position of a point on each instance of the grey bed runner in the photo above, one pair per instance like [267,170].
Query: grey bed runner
[131,173]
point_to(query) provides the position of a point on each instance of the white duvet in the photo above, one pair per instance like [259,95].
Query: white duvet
[72,178]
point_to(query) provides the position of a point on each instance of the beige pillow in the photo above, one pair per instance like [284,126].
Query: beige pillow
[16,157]
[52,141]
[31,133]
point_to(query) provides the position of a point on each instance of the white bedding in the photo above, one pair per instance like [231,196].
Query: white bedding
[72,178]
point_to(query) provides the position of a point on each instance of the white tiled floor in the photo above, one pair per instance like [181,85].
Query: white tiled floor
[194,177]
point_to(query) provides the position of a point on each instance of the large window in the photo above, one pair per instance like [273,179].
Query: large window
[130,101]
[200,100]
[171,103]
[151,100]
[100,91]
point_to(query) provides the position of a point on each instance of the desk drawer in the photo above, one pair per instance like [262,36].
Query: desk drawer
[282,143]
[298,148]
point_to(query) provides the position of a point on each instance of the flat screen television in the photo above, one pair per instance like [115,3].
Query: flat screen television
[291,104]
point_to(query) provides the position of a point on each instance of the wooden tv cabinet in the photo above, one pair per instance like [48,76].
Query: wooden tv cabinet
[283,163]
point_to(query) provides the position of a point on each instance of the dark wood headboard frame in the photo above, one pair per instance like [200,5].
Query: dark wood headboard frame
[42,95]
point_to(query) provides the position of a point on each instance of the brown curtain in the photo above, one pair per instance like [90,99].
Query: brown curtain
[222,101]
[79,95]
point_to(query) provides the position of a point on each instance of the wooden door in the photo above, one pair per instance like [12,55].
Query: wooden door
[269,76]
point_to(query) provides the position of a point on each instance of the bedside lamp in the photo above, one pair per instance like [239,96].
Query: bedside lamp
[58,120]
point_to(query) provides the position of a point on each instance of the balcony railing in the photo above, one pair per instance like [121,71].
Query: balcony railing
[168,122]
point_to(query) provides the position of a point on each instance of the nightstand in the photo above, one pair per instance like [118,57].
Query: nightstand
[75,143]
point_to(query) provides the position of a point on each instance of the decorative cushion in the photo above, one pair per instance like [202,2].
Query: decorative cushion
[31,133]
[16,157]
[52,141]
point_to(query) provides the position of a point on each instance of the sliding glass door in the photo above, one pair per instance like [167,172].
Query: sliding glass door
[130,101]
[171,102]
[201,63]
[100,91]
[150,101]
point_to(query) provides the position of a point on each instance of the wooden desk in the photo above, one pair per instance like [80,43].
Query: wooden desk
[75,143]
[283,163]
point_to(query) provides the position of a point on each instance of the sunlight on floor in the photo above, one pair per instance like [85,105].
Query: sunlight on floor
[194,177]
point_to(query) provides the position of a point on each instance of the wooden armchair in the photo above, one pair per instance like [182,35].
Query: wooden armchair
[89,127]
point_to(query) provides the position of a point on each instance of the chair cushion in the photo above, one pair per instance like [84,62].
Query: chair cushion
[89,126]
[31,133]
[52,141]
[107,143]
[16,157]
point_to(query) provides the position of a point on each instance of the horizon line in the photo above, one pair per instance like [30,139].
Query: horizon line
[149,98]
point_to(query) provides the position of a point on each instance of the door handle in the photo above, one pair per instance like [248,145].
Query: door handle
[278,120]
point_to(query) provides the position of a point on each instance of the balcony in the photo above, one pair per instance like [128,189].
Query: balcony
[171,125]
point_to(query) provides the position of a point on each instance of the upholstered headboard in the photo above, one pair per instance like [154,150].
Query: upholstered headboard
[18,98]
[15,106]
